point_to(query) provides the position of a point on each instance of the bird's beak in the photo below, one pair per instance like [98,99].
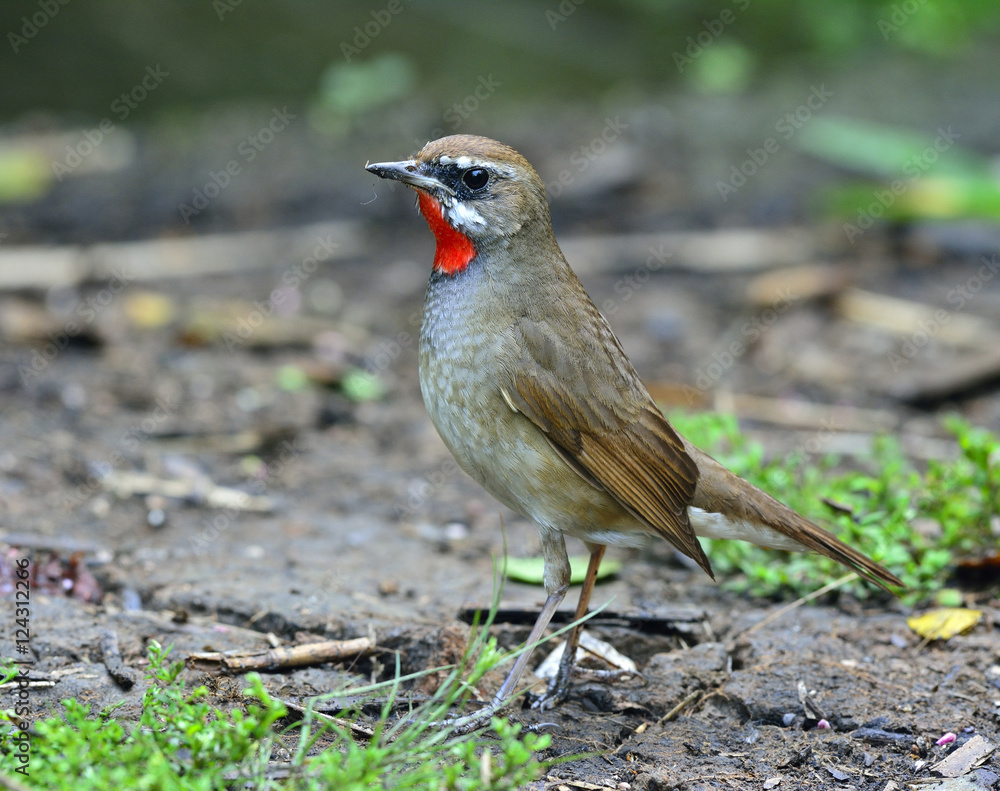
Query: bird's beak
[407,171]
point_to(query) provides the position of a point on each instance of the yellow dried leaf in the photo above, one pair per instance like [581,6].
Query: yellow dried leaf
[944,622]
[148,309]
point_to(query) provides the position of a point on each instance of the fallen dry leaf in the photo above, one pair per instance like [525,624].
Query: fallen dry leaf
[944,622]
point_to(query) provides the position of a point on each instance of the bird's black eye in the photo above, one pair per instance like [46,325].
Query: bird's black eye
[476,178]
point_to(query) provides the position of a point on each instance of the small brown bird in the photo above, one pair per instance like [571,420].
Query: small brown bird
[531,391]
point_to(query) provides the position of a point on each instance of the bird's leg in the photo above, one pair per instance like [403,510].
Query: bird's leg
[559,685]
[557,575]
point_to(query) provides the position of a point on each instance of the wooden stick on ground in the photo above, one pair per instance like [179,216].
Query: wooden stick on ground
[676,710]
[279,658]
[355,728]
[123,675]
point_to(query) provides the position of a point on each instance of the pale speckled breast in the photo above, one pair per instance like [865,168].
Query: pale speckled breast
[499,448]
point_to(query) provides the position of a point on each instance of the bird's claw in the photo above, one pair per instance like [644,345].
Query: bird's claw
[557,692]
[558,689]
[476,721]
[542,727]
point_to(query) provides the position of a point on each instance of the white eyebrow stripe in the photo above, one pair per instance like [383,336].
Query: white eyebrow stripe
[463,162]
[466,162]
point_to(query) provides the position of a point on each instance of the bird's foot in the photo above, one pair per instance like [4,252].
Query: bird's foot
[556,693]
[478,720]
[558,689]
[470,723]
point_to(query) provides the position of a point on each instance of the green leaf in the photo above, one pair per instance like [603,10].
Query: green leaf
[531,570]
[25,175]
[948,597]
[360,385]
[723,68]
[885,151]
[292,378]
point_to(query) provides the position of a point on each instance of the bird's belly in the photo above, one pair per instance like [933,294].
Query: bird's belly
[508,455]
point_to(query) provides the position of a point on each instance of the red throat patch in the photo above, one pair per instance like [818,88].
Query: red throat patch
[454,249]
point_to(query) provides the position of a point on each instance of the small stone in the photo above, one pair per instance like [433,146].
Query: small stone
[838,775]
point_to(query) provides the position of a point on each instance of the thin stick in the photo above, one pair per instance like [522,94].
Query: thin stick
[355,728]
[123,675]
[277,658]
[679,707]
[798,603]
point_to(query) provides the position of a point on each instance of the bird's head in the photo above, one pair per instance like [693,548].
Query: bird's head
[474,193]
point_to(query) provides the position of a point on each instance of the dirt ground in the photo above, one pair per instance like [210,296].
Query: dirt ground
[367,528]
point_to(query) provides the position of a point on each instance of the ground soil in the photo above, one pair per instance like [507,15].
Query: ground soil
[374,532]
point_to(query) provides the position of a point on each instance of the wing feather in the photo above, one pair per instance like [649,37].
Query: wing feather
[614,437]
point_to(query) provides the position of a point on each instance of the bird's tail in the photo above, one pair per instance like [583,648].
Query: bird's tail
[726,506]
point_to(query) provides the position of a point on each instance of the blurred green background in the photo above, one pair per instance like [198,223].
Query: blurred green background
[221,51]
[704,82]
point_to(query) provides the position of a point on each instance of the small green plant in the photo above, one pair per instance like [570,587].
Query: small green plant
[961,495]
[179,742]
[421,750]
[966,520]
[182,742]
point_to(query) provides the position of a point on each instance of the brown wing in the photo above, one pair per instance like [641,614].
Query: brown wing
[590,404]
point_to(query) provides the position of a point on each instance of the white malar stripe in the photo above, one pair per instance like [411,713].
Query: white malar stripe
[712,525]
[464,216]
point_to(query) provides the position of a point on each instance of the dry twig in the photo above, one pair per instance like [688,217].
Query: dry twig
[279,658]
